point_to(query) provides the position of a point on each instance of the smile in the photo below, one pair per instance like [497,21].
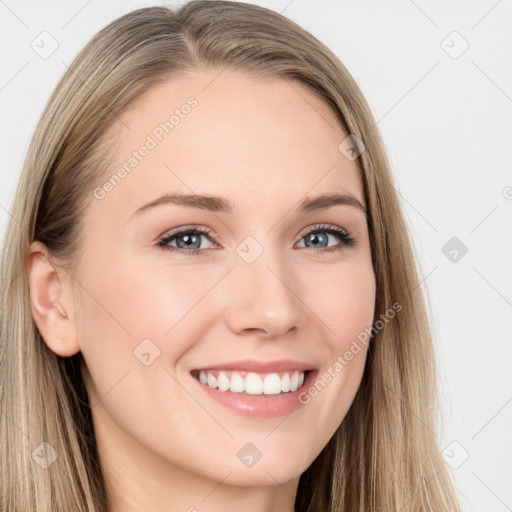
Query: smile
[251,383]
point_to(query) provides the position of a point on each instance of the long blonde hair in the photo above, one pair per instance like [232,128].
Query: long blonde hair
[384,456]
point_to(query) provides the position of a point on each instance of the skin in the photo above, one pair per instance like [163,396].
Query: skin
[264,145]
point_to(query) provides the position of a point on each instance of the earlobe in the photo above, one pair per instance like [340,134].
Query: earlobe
[50,302]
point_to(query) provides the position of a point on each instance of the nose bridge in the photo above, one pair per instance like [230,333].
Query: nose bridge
[261,289]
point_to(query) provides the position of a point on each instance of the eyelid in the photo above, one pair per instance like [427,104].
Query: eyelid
[320,227]
[188,228]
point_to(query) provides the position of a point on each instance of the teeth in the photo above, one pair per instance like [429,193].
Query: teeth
[223,382]
[237,384]
[285,382]
[252,383]
[272,384]
[211,380]
[294,382]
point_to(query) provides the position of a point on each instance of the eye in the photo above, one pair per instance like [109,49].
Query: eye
[317,238]
[188,240]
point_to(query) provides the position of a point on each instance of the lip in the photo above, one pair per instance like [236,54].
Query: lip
[257,406]
[258,366]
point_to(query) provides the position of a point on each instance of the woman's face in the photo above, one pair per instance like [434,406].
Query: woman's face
[148,315]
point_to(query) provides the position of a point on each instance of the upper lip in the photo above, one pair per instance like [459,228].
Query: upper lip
[258,366]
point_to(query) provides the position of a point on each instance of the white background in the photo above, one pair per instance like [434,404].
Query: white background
[447,125]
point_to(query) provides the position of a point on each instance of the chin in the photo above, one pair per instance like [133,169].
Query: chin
[261,476]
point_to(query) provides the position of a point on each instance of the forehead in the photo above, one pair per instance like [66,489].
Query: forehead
[229,133]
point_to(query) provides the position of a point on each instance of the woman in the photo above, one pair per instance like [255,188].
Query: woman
[175,334]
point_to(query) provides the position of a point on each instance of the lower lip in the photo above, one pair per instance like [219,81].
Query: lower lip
[260,406]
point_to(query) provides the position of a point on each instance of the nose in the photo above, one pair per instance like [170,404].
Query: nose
[263,297]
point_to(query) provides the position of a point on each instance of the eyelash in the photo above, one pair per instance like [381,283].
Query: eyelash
[346,239]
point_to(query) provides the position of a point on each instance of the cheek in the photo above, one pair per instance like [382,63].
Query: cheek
[130,309]
[343,298]
[120,306]
[345,303]
[130,300]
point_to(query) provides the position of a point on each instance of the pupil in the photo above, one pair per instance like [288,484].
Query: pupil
[187,239]
[315,238]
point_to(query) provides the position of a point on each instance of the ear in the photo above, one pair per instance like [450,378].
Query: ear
[51,301]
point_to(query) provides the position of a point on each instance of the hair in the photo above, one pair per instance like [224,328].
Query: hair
[384,455]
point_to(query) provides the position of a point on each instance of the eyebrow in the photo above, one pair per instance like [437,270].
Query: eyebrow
[223,205]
